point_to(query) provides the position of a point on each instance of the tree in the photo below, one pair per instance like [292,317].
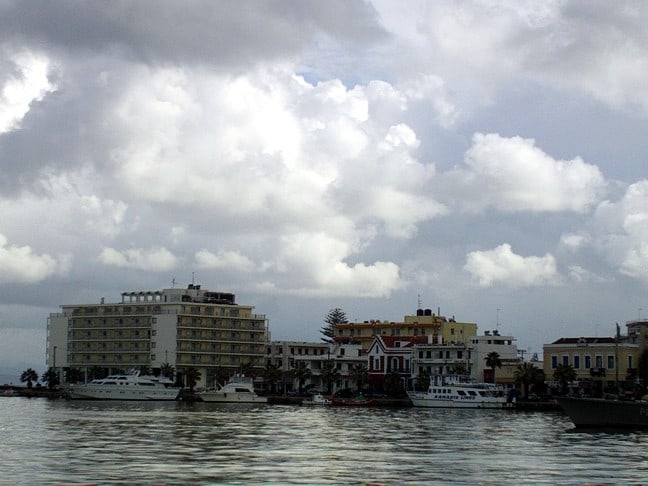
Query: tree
[394,384]
[334,316]
[73,375]
[525,374]
[642,366]
[272,374]
[145,370]
[493,361]
[51,377]
[192,375]
[29,376]
[167,370]
[220,376]
[564,373]
[458,369]
[302,373]
[330,375]
[422,380]
[248,370]
[359,374]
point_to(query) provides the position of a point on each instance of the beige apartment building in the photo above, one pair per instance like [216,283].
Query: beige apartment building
[186,328]
[440,329]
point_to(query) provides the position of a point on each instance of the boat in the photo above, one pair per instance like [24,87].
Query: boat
[455,392]
[316,399]
[603,412]
[239,389]
[126,386]
[358,401]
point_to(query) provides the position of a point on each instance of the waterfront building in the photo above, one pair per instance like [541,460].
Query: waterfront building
[638,334]
[389,354]
[601,359]
[286,354]
[190,328]
[491,341]
[425,323]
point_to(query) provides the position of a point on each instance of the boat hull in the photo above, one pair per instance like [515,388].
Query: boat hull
[599,412]
[437,403]
[231,397]
[86,392]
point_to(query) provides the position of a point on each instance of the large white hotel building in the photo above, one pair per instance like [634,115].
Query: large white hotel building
[186,328]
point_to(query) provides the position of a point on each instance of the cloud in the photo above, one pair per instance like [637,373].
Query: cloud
[501,266]
[229,260]
[513,175]
[621,231]
[156,259]
[20,265]
[28,83]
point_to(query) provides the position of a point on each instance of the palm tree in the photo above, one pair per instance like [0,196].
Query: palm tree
[145,370]
[458,369]
[167,370]
[422,380]
[330,375]
[248,370]
[29,376]
[302,373]
[272,374]
[564,373]
[192,375]
[220,376]
[51,377]
[394,384]
[359,374]
[73,375]
[525,374]
[493,361]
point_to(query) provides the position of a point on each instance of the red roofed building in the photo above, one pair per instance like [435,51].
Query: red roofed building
[391,353]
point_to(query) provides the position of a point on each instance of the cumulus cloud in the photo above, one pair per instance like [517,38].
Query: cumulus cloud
[156,259]
[622,231]
[28,83]
[21,265]
[500,266]
[224,259]
[513,175]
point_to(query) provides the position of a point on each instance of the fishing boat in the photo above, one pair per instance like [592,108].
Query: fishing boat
[239,389]
[127,386]
[603,412]
[454,392]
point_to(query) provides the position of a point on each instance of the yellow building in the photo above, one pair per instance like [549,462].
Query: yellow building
[593,358]
[441,330]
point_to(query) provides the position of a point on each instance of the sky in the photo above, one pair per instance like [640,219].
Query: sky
[487,159]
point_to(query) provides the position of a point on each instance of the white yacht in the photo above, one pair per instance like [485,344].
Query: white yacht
[127,386]
[239,389]
[451,392]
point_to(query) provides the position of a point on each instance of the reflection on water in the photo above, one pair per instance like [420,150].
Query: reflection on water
[111,442]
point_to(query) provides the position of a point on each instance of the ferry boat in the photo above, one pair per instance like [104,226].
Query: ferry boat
[127,386]
[452,392]
[239,389]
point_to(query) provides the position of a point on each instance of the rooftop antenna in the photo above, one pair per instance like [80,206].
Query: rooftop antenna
[192,277]
[497,322]
[173,283]
[419,302]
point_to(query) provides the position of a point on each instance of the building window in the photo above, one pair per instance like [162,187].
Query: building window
[630,362]
[554,361]
[610,362]
[588,362]
[565,360]
[599,361]
[576,362]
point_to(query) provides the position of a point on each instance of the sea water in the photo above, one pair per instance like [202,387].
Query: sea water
[57,441]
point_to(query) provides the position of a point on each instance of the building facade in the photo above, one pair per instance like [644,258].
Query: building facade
[603,359]
[440,329]
[183,328]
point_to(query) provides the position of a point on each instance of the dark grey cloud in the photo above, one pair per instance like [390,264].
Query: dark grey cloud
[217,32]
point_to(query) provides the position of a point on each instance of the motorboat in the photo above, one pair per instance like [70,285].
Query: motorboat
[239,389]
[454,392]
[603,412]
[127,386]
[316,399]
